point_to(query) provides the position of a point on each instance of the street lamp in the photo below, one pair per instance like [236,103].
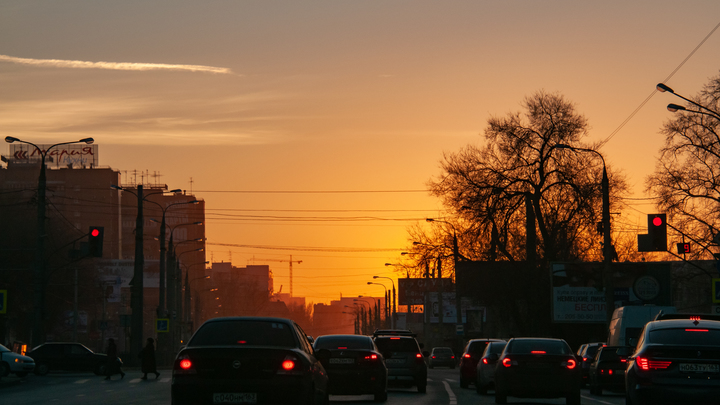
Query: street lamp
[607,240]
[39,262]
[136,284]
[387,300]
[456,258]
[394,297]
[674,107]
[163,249]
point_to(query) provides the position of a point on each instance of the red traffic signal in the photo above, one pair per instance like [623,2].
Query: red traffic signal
[95,241]
[656,238]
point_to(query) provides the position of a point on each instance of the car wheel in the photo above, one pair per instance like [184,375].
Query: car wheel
[4,369]
[380,396]
[101,369]
[42,369]
[573,399]
[500,397]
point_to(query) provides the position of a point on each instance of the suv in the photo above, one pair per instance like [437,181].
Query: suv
[675,361]
[404,359]
[469,360]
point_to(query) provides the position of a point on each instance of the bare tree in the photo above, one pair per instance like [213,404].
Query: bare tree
[526,170]
[686,182]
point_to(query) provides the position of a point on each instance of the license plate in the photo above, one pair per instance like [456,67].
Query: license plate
[235,398]
[699,368]
[342,361]
[395,361]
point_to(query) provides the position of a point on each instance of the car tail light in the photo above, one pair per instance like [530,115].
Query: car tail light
[507,362]
[538,352]
[433,357]
[467,355]
[418,355]
[569,364]
[485,361]
[696,330]
[184,365]
[452,357]
[290,366]
[647,364]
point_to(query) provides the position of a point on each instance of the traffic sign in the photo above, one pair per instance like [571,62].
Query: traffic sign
[162,325]
[3,301]
[460,329]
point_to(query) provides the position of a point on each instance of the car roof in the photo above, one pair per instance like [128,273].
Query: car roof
[250,318]
[682,323]
[486,340]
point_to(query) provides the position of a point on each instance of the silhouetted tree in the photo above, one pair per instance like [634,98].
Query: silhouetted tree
[686,182]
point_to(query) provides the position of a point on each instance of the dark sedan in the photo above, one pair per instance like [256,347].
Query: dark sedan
[469,360]
[353,364]
[537,368]
[675,362]
[607,371]
[249,360]
[61,356]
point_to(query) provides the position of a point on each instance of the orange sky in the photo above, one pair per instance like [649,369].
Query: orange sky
[309,126]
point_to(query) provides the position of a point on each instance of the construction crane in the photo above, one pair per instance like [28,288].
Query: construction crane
[291,261]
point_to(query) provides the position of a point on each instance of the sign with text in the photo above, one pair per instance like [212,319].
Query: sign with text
[411,291]
[75,155]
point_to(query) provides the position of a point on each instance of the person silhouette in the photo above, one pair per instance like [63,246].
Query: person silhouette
[112,366]
[147,360]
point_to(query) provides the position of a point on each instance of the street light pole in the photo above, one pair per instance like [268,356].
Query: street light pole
[387,308]
[394,297]
[39,262]
[674,107]
[608,284]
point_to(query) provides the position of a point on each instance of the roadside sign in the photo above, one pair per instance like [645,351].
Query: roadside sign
[716,290]
[460,329]
[3,301]
[162,325]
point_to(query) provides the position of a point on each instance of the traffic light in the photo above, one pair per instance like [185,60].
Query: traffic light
[95,241]
[683,248]
[656,238]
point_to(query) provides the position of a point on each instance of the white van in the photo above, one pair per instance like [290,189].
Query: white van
[627,322]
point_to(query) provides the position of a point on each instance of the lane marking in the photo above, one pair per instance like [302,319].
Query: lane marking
[451,394]
[596,400]
[81,381]
[135,381]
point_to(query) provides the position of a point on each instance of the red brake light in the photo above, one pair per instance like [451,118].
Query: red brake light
[394,338]
[570,364]
[371,357]
[697,330]
[342,348]
[242,342]
[695,318]
[485,361]
[433,357]
[288,365]
[647,364]
[507,362]
[418,355]
[610,371]
[538,352]
[185,364]
[466,355]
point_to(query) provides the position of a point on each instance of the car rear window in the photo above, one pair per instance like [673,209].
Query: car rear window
[591,350]
[477,347]
[397,344]
[343,342]
[234,332]
[545,346]
[496,348]
[683,336]
[442,351]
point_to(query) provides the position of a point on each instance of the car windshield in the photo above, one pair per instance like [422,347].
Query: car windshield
[4,349]
[234,332]
[343,342]
[538,346]
[686,336]
[396,344]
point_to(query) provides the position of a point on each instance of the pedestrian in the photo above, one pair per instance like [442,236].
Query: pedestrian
[147,360]
[112,366]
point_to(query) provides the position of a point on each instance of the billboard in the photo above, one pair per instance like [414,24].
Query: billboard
[411,291]
[75,155]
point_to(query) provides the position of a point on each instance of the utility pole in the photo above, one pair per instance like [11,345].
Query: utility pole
[136,291]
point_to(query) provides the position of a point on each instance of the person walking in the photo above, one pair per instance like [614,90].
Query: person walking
[113,363]
[147,360]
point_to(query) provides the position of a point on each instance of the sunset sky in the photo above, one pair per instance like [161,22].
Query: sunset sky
[311,128]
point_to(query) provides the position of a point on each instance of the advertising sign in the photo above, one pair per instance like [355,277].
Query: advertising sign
[75,155]
[411,291]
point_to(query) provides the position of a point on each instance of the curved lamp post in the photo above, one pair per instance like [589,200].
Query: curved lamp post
[394,297]
[607,240]
[387,299]
[39,262]
[674,107]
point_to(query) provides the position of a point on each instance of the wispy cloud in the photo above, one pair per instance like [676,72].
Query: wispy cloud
[78,64]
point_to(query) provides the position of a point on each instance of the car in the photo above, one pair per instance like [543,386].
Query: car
[15,363]
[469,360]
[586,355]
[537,368]
[259,360]
[67,356]
[404,358]
[675,361]
[441,357]
[486,367]
[607,371]
[354,365]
